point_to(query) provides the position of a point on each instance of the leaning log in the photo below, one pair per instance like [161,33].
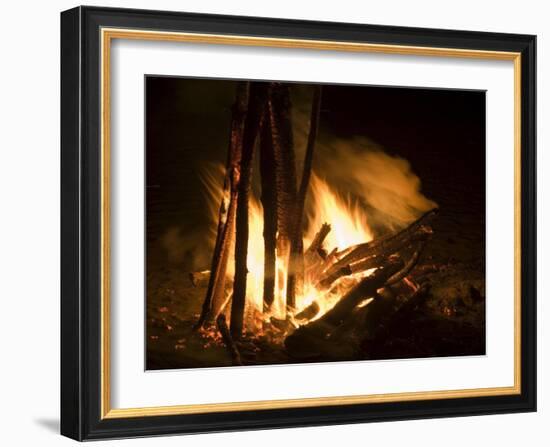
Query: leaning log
[315,249]
[315,255]
[318,270]
[386,244]
[308,312]
[296,262]
[269,205]
[279,115]
[215,293]
[394,245]
[410,264]
[318,239]
[252,127]
[366,288]
[228,340]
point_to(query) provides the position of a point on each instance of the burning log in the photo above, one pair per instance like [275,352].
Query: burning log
[296,269]
[269,203]
[251,130]
[317,269]
[308,312]
[394,245]
[315,255]
[228,340]
[317,242]
[346,270]
[227,213]
[385,245]
[306,341]
[285,167]
[365,289]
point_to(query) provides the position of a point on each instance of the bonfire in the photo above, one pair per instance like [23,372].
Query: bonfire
[298,280]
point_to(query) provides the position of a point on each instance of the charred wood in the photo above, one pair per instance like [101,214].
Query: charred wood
[395,245]
[319,238]
[318,269]
[228,340]
[388,244]
[307,339]
[409,266]
[316,246]
[279,114]
[227,213]
[251,130]
[308,312]
[296,268]
[269,204]
[365,289]
[316,255]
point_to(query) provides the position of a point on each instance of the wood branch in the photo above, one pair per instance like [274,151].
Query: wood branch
[279,113]
[306,338]
[386,244]
[318,239]
[228,340]
[410,264]
[227,213]
[315,255]
[269,204]
[296,268]
[316,271]
[365,289]
[308,312]
[392,246]
[251,130]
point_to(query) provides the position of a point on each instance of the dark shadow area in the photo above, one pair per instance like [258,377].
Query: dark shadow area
[51,425]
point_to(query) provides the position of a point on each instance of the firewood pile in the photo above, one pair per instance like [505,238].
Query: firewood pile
[389,291]
[377,284]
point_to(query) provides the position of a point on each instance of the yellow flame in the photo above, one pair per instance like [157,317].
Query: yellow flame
[348,220]
[349,226]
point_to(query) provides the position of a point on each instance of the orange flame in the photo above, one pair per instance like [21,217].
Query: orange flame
[349,226]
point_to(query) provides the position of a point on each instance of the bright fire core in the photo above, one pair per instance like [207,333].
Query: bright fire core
[349,227]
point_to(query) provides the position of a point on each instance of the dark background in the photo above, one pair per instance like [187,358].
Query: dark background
[440,132]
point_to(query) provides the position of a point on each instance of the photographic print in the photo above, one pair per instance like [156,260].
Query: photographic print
[292,222]
[290,207]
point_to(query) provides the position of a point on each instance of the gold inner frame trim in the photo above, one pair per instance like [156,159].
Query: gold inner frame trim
[107,35]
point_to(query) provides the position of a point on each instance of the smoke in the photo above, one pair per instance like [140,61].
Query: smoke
[385,185]
[192,245]
[186,248]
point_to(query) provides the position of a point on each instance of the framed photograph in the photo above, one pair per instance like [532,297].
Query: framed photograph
[273,223]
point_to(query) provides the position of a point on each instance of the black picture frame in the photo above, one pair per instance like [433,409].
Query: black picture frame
[81,224]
